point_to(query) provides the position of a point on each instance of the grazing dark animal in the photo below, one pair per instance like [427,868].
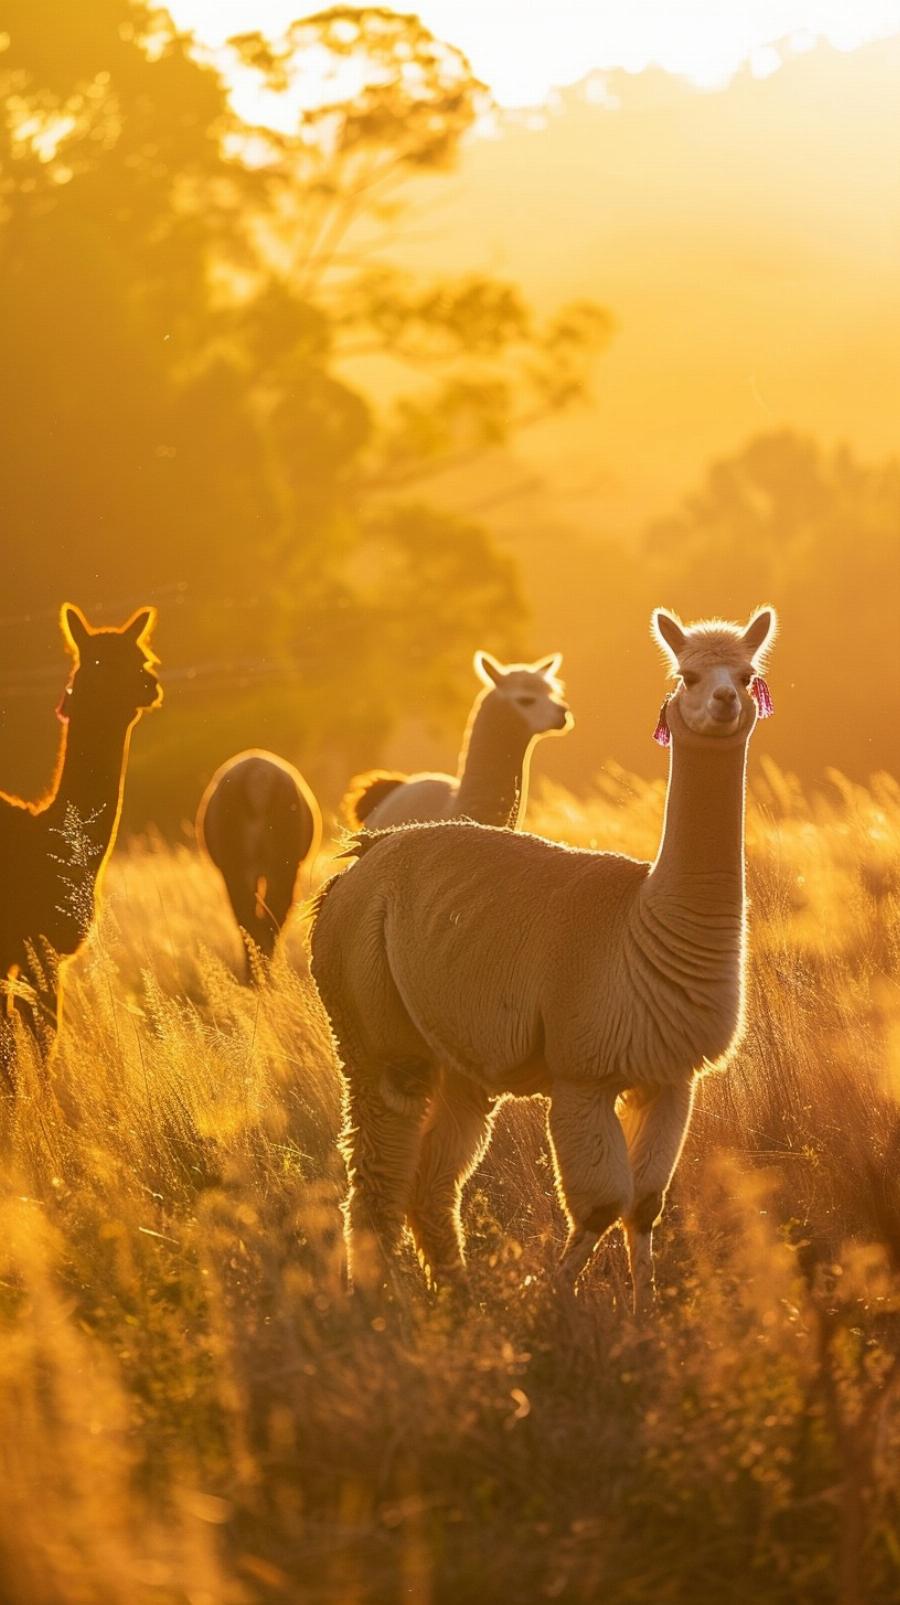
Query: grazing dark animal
[259,821]
[517,705]
[53,852]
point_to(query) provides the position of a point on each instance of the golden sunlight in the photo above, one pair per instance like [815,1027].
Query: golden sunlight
[524,52]
[450,802]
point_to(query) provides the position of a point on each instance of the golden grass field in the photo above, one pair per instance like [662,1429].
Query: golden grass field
[194,1411]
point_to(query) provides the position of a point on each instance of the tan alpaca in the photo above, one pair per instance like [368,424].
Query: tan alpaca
[458,963]
[520,703]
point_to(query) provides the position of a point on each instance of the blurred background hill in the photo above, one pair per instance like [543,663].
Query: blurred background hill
[746,240]
[350,399]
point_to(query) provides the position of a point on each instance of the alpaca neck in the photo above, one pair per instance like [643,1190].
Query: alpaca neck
[701,856]
[493,765]
[87,796]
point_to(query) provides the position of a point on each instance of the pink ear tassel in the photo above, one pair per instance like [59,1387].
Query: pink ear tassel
[662,734]
[762,696]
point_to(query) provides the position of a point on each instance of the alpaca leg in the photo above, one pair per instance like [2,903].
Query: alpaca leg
[256,935]
[381,1142]
[279,900]
[457,1133]
[655,1121]
[592,1169]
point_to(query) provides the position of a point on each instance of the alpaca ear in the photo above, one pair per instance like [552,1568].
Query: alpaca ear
[549,666]
[487,668]
[760,633]
[668,633]
[140,624]
[74,627]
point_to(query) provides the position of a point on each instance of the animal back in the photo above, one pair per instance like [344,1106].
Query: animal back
[453,919]
[257,818]
[365,792]
[416,800]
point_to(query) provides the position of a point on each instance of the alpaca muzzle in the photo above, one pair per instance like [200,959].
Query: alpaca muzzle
[759,691]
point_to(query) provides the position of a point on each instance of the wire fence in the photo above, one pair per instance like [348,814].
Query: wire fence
[36,680]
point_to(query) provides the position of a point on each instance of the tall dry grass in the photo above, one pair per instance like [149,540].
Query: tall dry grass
[193,1411]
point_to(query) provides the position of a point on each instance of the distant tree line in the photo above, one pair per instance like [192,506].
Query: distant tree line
[783,519]
[819,531]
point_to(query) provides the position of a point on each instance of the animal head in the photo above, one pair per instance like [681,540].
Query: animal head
[720,692]
[113,667]
[531,689]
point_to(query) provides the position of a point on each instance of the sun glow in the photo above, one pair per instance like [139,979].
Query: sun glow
[526,51]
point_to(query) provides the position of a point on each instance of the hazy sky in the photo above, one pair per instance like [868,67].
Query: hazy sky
[525,48]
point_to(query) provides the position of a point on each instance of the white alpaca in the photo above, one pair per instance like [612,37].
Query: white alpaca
[458,963]
[520,703]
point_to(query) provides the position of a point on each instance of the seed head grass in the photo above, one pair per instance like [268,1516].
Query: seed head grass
[195,1411]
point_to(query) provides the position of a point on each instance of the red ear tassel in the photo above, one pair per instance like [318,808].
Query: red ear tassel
[762,696]
[662,733]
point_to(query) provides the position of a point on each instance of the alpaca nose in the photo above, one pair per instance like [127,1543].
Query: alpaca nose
[725,697]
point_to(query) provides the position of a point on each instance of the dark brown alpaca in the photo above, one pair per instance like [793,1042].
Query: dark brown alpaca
[53,852]
[259,821]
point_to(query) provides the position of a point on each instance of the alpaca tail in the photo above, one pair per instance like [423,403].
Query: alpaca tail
[366,792]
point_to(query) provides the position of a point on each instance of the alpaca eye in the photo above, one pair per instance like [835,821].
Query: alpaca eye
[746,678]
[526,702]
[689,678]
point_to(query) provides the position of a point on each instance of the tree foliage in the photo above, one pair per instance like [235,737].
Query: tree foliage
[781,519]
[817,531]
[227,392]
